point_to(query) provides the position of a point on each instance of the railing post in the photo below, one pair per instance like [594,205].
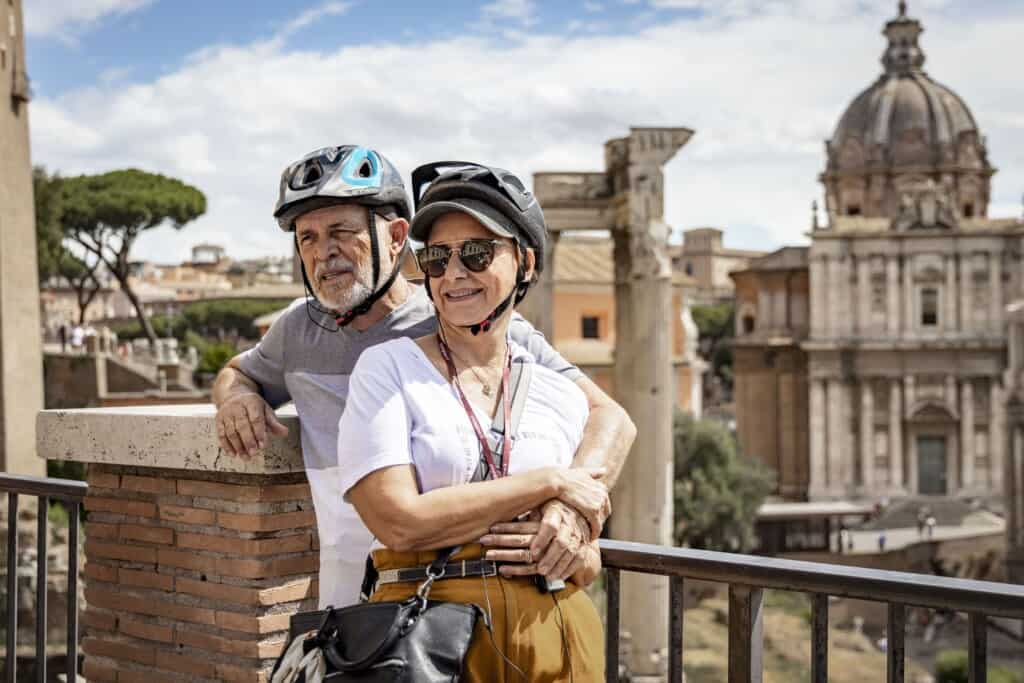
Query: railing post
[977,648]
[819,638]
[74,510]
[894,649]
[745,634]
[41,533]
[611,636]
[12,586]
[675,630]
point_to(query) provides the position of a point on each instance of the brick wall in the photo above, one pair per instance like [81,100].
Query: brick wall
[193,575]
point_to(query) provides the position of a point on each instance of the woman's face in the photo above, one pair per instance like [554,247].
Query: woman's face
[461,296]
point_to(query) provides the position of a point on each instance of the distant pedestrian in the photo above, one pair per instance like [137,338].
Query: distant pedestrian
[62,334]
[77,338]
[922,517]
[930,523]
[881,542]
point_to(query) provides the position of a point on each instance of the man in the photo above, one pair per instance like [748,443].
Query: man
[350,214]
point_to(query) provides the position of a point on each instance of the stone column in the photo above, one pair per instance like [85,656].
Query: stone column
[818,485]
[643,495]
[1014,495]
[996,420]
[864,296]
[910,448]
[995,315]
[538,306]
[892,291]
[846,299]
[867,435]
[966,285]
[837,436]
[895,434]
[950,322]
[21,385]
[909,318]
[834,297]
[819,285]
[966,434]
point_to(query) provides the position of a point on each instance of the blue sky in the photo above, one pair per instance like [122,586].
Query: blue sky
[225,93]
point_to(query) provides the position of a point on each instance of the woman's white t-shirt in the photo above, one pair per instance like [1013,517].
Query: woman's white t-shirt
[402,411]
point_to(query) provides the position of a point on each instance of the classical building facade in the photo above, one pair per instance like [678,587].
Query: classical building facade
[584,321]
[909,279]
[902,365]
[705,258]
[770,365]
[1013,487]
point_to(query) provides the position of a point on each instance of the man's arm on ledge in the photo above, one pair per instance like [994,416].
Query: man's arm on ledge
[243,416]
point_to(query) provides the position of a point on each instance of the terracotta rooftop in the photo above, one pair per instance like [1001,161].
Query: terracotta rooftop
[588,260]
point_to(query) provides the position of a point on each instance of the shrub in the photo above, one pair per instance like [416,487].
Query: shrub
[951,667]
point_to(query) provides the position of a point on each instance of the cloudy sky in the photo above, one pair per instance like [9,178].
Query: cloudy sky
[224,94]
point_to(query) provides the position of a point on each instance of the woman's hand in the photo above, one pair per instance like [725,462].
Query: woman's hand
[582,488]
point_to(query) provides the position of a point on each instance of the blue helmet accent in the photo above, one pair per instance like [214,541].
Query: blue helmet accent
[346,174]
[362,168]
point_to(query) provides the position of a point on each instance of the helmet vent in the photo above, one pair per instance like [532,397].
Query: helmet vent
[365,169]
[313,174]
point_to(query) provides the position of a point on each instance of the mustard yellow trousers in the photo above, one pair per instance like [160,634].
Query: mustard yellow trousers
[549,637]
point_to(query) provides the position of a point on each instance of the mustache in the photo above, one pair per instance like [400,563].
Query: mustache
[335,264]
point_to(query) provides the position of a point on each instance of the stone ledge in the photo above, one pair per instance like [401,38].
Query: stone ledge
[165,436]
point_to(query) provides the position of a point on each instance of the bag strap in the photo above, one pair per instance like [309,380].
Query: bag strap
[519,384]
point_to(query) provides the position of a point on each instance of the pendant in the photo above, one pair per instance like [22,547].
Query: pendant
[487,389]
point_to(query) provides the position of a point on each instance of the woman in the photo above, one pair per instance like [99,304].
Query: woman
[420,464]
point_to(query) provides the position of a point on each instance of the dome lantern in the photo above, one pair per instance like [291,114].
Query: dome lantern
[903,132]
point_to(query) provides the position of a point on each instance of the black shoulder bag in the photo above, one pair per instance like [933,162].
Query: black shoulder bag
[416,640]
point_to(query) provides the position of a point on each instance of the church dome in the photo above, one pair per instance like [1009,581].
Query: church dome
[905,130]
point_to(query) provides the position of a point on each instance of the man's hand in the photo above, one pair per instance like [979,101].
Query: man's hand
[242,423]
[561,539]
[510,543]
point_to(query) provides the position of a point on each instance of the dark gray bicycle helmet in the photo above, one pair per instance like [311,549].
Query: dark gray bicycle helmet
[346,174]
[445,186]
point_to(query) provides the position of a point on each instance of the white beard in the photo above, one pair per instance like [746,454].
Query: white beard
[343,299]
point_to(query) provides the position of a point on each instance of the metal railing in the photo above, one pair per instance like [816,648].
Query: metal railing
[71,492]
[747,576]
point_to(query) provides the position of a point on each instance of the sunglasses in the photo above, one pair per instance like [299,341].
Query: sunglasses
[476,255]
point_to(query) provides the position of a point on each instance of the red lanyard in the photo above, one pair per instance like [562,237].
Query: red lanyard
[506,440]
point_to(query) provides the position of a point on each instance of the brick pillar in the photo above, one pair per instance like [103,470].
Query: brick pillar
[192,569]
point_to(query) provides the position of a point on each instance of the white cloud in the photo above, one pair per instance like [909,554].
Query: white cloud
[311,15]
[762,95]
[63,19]
[519,11]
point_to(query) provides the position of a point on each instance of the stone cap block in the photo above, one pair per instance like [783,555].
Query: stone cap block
[164,436]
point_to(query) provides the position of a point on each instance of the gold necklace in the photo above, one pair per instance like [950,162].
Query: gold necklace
[484,384]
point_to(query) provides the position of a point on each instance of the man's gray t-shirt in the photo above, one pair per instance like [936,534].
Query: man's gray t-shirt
[303,362]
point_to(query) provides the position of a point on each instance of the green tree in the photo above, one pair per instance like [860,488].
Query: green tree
[82,278]
[54,258]
[106,213]
[716,325]
[717,491]
[49,235]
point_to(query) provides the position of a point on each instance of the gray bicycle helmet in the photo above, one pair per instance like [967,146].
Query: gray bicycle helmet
[465,186]
[346,174]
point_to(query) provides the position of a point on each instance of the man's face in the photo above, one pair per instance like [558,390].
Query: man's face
[334,245]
